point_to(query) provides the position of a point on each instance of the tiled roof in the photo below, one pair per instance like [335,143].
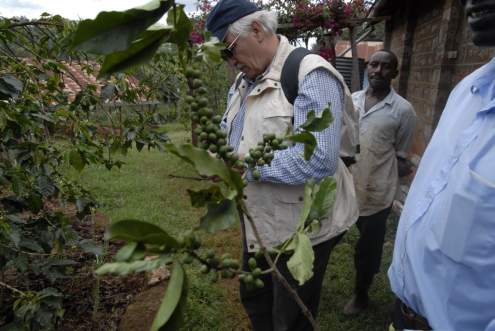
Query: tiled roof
[77,77]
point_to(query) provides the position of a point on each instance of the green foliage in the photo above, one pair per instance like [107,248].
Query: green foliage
[36,114]
[37,310]
[140,50]
[308,140]
[207,166]
[116,31]
[220,216]
[315,124]
[125,268]
[138,231]
[323,199]
[10,87]
[169,314]
[127,38]
[182,26]
[300,263]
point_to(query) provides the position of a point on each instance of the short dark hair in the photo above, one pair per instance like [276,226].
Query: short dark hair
[395,59]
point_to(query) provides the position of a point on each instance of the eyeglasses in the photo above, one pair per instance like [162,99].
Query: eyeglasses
[228,52]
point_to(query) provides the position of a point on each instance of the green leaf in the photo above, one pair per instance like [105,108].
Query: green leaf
[139,231]
[125,268]
[210,51]
[220,216]
[76,160]
[139,51]
[182,26]
[308,201]
[89,246]
[324,198]
[31,245]
[108,91]
[207,165]
[10,87]
[169,315]
[126,251]
[317,124]
[300,263]
[115,31]
[308,140]
[203,197]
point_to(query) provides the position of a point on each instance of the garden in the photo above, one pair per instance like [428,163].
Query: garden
[120,201]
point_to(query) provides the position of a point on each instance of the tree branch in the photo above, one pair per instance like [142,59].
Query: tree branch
[14,25]
[276,272]
[13,289]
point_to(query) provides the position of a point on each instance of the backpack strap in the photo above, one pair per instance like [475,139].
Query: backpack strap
[290,71]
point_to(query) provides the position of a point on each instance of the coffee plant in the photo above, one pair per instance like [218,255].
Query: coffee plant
[43,131]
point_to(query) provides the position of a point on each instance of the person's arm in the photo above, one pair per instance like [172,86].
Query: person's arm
[318,89]
[403,142]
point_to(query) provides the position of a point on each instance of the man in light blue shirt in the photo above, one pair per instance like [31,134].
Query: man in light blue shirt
[443,269]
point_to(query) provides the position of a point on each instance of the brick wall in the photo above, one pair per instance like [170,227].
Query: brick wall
[469,57]
[434,48]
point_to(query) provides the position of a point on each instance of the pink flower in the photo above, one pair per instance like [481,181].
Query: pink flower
[196,37]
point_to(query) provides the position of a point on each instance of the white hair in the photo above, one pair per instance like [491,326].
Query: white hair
[267,19]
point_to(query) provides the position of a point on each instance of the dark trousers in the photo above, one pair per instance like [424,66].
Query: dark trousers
[369,247]
[271,308]
[404,317]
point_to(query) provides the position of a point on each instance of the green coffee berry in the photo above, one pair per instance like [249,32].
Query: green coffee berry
[252,263]
[217,119]
[213,148]
[259,283]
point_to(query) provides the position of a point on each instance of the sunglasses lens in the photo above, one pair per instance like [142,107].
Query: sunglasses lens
[226,54]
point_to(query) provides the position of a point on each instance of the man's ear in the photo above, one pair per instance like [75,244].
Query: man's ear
[259,32]
[395,74]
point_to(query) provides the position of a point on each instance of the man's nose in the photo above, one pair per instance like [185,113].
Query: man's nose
[232,61]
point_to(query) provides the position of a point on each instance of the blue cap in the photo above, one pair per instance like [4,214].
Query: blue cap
[225,13]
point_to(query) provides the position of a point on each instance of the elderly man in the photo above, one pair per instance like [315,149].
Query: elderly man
[257,105]
[443,269]
[386,126]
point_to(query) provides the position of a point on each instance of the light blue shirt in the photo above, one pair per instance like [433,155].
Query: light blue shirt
[444,258]
[318,89]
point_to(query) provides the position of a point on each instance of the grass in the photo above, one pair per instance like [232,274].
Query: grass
[143,189]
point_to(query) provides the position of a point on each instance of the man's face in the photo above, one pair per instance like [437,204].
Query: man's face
[382,68]
[481,20]
[246,52]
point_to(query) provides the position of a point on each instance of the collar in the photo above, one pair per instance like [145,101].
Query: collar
[484,79]
[388,100]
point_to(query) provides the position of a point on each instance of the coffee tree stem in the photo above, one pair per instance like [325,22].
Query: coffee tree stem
[276,272]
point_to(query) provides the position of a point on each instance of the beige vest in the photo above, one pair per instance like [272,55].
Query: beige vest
[275,208]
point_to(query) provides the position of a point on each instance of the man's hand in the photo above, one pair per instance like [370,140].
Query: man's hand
[405,167]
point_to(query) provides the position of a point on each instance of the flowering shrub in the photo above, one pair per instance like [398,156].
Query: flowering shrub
[327,53]
[332,15]
[199,20]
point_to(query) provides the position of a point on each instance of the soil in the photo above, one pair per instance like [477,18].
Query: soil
[141,312]
[122,303]
[86,310]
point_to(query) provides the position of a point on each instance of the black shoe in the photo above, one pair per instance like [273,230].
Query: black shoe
[356,305]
